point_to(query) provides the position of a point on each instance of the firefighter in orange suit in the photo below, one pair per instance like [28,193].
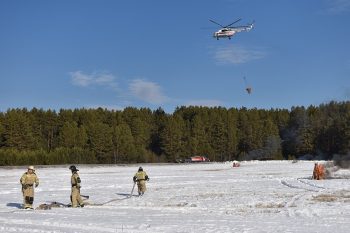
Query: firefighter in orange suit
[318,173]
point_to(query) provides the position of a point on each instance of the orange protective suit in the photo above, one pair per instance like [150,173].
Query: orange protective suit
[319,172]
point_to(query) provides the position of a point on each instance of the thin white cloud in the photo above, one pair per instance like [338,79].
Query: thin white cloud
[207,103]
[141,89]
[338,6]
[78,78]
[147,91]
[104,79]
[235,54]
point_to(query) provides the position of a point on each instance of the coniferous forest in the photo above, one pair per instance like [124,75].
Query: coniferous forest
[132,135]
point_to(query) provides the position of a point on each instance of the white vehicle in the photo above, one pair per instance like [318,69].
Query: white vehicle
[228,31]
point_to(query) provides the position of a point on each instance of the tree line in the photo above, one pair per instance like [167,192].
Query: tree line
[132,135]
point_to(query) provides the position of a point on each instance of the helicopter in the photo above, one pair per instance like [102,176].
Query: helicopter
[228,31]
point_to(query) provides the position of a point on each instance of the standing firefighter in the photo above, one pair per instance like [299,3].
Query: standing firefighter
[75,194]
[318,173]
[27,180]
[141,177]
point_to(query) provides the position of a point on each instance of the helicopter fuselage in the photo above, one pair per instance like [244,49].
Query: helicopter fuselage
[231,31]
[223,33]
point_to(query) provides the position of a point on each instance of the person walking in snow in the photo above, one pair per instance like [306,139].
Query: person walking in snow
[28,180]
[76,185]
[140,178]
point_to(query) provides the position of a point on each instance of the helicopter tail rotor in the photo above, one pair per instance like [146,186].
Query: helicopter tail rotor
[251,25]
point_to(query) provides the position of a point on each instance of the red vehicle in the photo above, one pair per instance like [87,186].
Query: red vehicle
[195,159]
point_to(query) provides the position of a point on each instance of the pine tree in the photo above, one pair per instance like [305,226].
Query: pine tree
[199,141]
[73,136]
[100,141]
[245,133]
[171,139]
[160,119]
[140,123]
[232,137]
[218,138]
[17,130]
[124,145]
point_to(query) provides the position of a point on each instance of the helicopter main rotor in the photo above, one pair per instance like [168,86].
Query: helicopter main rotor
[225,26]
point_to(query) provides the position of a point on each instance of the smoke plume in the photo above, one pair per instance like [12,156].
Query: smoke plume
[342,161]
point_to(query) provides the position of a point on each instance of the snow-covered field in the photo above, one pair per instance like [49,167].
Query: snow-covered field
[274,196]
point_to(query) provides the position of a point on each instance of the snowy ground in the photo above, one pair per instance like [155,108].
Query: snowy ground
[274,196]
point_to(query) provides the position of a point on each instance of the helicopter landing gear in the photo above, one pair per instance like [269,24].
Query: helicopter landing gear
[229,37]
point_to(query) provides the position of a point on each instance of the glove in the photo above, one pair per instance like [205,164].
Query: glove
[24,186]
[36,185]
[134,179]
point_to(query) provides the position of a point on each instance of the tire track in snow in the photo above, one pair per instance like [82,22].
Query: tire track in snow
[302,185]
[303,180]
[293,207]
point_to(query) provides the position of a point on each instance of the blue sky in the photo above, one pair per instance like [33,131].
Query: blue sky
[158,53]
